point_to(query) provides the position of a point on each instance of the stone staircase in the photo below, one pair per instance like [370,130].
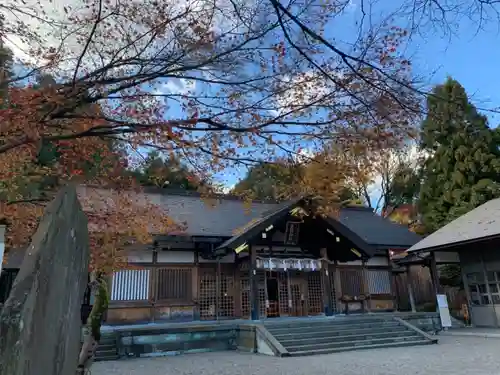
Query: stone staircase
[107,350]
[321,336]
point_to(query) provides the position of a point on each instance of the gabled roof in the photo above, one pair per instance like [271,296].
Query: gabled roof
[227,215]
[281,211]
[481,223]
[257,225]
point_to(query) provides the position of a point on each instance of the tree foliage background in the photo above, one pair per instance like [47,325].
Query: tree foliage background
[463,169]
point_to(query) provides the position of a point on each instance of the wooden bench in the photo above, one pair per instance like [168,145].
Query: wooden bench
[347,300]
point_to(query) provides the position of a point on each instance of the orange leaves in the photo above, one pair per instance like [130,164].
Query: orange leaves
[118,219]
[22,219]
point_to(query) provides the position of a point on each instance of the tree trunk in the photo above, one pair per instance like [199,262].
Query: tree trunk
[92,330]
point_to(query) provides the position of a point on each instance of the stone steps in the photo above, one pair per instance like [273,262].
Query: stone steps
[106,350]
[323,336]
[335,332]
[341,338]
[335,327]
[360,347]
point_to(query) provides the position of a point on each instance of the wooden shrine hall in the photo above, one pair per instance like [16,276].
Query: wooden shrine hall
[261,260]
[285,261]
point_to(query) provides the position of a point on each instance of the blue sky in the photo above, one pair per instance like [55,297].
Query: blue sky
[469,58]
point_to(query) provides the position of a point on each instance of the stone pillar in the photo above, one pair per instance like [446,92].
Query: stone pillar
[254,284]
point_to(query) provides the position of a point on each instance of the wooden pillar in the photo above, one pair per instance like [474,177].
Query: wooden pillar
[366,290]
[254,284]
[434,274]
[195,284]
[395,291]
[327,295]
[410,289]
[467,295]
[337,285]
[154,285]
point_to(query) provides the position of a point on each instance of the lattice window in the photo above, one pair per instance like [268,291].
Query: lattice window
[174,284]
[379,281]
[130,285]
[246,307]
[351,281]
[283,293]
[245,297]
[292,233]
[208,293]
[296,297]
[225,307]
[262,297]
[477,287]
[315,293]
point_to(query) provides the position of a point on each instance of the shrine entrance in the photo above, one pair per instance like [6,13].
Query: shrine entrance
[293,287]
[291,257]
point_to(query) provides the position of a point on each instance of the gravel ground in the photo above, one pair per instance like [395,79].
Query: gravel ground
[453,355]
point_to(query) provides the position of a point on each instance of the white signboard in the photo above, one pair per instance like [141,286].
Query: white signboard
[444,311]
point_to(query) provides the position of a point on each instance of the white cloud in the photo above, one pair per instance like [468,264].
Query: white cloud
[410,155]
[54,22]
[179,86]
[304,155]
[226,189]
[351,6]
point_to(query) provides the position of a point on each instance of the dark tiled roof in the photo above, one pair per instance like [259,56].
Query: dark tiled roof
[376,230]
[226,216]
[481,222]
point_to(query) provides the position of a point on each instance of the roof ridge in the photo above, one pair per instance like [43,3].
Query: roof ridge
[186,193]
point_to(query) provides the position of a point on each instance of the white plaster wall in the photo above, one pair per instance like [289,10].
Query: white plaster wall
[175,257]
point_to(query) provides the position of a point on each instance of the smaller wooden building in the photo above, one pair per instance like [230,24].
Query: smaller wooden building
[257,262]
[475,239]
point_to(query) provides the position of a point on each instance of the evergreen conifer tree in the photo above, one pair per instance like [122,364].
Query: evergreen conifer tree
[463,170]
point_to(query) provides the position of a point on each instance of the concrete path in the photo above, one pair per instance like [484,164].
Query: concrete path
[474,332]
[452,356]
